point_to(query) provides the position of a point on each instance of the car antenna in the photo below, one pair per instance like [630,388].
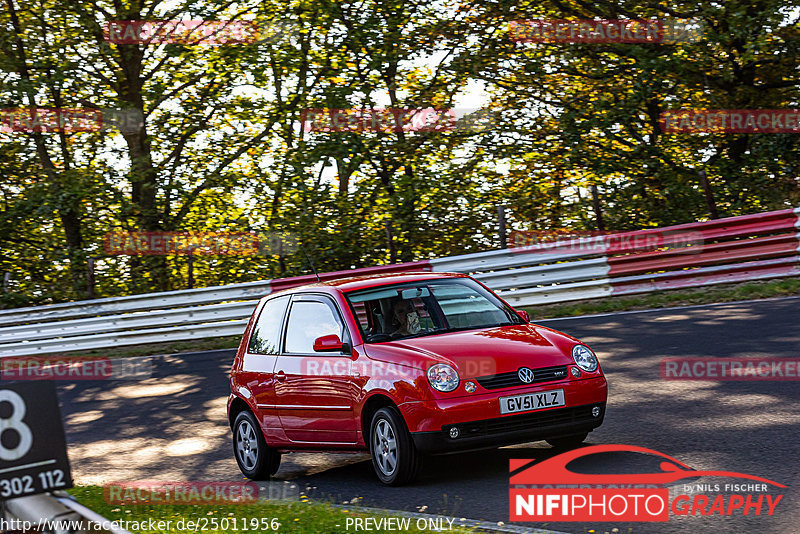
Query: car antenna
[312,264]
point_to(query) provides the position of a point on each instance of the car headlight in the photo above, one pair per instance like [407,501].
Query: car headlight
[584,358]
[442,377]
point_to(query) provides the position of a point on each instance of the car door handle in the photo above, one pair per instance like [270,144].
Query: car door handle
[280,376]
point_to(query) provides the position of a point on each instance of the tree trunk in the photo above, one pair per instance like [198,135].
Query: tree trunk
[390,241]
[143,175]
[598,209]
[709,195]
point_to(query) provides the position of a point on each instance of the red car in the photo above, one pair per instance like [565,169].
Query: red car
[403,365]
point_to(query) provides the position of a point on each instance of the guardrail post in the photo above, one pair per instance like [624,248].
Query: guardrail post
[90,278]
[501,225]
[598,209]
[190,270]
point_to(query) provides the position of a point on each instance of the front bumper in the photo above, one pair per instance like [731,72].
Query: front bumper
[519,428]
[480,424]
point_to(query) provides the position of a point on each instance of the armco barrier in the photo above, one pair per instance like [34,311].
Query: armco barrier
[60,511]
[750,247]
[150,318]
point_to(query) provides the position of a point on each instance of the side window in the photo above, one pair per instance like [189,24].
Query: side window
[267,332]
[309,320]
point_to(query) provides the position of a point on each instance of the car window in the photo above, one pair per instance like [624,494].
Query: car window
[427,307]
[376,316]
[309,320]
[267,332]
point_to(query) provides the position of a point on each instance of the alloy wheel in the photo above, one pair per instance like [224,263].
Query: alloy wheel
[247,445]
[384,447]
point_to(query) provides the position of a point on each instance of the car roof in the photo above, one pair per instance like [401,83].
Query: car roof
[354,283]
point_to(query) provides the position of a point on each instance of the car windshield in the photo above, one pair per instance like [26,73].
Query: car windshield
[427,307]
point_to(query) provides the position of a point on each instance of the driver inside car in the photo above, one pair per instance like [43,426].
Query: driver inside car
[406,316]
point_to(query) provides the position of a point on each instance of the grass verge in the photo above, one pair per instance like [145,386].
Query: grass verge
[168,347]
[302,517]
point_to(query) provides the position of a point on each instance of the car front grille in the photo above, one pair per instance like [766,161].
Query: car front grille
[510,380]
[530,421]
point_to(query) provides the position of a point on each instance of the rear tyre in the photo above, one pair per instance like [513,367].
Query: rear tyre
[256,460]
[394,457]
[568,442]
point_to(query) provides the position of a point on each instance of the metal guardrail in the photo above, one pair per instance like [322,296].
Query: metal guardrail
[120,323]
[134,303]
[58,513]
[760,246]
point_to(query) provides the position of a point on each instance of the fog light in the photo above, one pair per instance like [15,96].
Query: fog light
[575,372]
[470,387]
[595,413]
[454,432]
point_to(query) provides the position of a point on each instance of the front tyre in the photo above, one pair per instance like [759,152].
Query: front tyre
[394,457]
[256,460]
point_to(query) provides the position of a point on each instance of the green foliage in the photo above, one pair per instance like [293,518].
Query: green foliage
[214,143]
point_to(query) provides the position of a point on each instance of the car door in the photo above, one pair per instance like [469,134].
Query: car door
[314,391]
[258,363]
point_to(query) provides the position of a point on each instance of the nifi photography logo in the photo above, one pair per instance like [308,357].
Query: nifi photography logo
[550,490]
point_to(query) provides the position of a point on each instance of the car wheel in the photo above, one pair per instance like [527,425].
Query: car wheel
[394,457]
[256,460]
[568,442]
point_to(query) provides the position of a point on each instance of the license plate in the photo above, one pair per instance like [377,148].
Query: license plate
[532,401]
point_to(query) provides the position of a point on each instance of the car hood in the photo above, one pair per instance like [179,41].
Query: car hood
[481,352]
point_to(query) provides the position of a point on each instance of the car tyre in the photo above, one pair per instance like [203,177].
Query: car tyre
[568,442]
[256,460]
[394,457]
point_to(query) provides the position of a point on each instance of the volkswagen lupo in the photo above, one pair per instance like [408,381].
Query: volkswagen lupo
[404,365]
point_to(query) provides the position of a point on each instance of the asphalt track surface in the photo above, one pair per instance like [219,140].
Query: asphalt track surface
[173,425]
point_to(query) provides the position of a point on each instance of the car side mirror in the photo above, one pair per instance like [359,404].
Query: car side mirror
[330,343]
[524,315]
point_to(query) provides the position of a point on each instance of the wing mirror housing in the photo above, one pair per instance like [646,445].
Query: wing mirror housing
[330,343]
[524,315]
